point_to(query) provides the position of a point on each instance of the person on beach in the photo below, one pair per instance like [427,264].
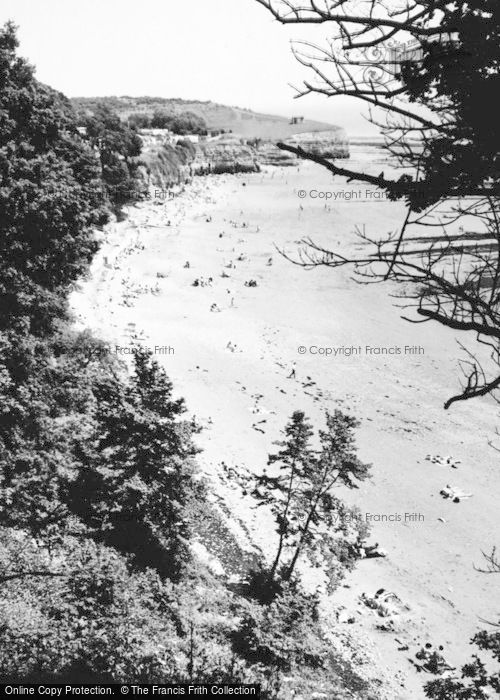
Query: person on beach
[292,374]
[432,661]
[373,551]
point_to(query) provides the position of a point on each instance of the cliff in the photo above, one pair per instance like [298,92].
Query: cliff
[163,164]
[270,154]
[225,155]
[167,161]
[329,144]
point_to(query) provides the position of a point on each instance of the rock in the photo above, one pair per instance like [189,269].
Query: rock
[226,154]
[328,144]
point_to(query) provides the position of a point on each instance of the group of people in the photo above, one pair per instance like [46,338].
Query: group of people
[431,660]
[202,282]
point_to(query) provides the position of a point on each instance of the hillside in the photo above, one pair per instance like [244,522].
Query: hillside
[242,122]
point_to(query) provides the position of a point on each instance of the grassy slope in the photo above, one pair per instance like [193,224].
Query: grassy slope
[242,122]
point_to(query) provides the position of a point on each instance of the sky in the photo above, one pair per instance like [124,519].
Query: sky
[227,51]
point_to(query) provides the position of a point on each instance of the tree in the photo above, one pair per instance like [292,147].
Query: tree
[137,474]
[182,123]
[311,521]
[118,146]
[188,123]
[286,643]
[426,71]
[95,620]
[46,406]
[429,66]
[51,196]
[282,635]
[140,120]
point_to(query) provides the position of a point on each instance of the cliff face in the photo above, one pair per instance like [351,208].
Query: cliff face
[329,144]
[167,161]
[225,155]
[230,154]
[165,165]
[269,154]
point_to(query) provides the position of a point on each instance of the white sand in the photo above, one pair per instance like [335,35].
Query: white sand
[244,397]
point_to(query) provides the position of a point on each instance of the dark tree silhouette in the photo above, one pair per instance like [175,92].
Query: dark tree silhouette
[51,196]
[118,146]
[426,70]
[137,477]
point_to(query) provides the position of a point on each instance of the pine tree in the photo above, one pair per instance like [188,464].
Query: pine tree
[138,474]
[311,520]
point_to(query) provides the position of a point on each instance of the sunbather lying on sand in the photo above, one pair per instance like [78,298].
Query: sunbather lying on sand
[455,494]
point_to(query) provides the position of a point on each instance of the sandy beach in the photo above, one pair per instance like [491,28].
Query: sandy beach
[230,346]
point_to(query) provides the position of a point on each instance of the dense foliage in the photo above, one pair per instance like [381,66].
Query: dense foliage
[136,478]
[118,146]
[51,195]
[180,123]
[459,73]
